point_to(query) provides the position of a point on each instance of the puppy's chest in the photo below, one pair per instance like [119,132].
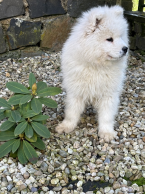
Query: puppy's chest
[98,81]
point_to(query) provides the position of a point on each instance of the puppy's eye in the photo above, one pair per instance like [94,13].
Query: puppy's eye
[110,39]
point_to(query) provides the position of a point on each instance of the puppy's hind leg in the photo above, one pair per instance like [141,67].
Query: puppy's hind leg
[107,110]
[73,110]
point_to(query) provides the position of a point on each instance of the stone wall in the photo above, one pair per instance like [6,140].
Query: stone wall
[44,24]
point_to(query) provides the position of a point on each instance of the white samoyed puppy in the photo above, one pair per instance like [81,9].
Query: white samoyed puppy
[94,59]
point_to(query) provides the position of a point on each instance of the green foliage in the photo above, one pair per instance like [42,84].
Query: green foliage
[23,130]
[139,182]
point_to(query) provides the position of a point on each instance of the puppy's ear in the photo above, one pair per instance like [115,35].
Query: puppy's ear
[95,16]
[118,10]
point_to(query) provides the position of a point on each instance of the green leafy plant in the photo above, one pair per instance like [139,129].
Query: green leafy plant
[24,128]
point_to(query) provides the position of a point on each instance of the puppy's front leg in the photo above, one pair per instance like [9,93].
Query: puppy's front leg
[107,110]
[73,110]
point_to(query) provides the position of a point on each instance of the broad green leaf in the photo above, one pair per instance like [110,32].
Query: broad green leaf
[6,147]
[21,120]
[40,129]
[14,100]
[6,125]
[2,116]
[41,86]
[48,102]
[51,91]
[30,152]
[17,88]
[21,156]
[4,103]
[39,144]
[32,139]
[25,107]
[36,105]
[7,113]
[16,115]
[16,145]
[29,131]
[11,119]
[6,135]
[40,118]
[32,79]
[20,128]
[29,113]
[3,110]
[25,99]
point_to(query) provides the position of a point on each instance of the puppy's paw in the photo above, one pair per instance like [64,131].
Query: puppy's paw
[64,127]
[107,135]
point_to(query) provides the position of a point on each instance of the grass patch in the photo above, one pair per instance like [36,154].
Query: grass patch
[139,182]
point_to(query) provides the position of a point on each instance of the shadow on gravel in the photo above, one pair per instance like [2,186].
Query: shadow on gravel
[87,186]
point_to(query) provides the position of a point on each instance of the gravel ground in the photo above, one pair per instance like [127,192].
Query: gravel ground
[79,156]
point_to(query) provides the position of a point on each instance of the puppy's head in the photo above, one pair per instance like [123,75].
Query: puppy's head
[105,32]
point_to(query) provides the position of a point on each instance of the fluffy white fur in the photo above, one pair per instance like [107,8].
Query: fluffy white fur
[94,68]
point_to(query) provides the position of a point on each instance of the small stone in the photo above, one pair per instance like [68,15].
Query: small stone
[23,170]
[107,160]
[45,189]
[9,178]
[38,173]
[26,175]
[70,151]
[73,178]
[106,189]
[63,153]
[128,174]
[44,167]
[54,181]
[57,188]
[135,187]
[116,185]
[22,187]
[7,74]
[143,139]
[33,189]
[143,153]
[76,144]
[80,183]
[9,187]
[32,179]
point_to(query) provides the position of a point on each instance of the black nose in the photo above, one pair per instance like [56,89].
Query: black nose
[125,49]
